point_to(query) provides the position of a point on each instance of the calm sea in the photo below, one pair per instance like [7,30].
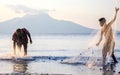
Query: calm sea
[56,44]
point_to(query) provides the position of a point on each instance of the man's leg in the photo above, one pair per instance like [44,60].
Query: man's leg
[25,49]
[14,47]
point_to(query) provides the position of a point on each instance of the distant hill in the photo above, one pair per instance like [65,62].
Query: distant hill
[42,24]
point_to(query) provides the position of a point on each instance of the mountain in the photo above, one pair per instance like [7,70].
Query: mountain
[42,24]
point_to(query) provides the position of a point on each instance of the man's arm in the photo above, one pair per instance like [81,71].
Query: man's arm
[101,36]
[28,33]
[13,36]
[112,21]
[14,42]
[29,37]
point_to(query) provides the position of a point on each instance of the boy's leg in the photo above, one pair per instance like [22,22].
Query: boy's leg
[113,56]
[104,54]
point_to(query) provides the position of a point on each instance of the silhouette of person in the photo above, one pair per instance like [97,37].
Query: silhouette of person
[20,37]
[106,30]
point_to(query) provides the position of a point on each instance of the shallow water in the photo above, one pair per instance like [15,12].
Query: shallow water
[52,65]
[51,46]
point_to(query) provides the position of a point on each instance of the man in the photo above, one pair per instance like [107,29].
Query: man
[20,37]
[106,30]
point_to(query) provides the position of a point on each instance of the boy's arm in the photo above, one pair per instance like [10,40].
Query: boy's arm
[112,21]
[101,36]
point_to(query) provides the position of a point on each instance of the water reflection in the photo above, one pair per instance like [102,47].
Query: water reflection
[109,70]
[20,66]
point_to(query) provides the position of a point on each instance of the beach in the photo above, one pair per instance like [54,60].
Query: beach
[47,55]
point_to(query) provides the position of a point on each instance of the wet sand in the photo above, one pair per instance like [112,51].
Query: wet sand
[31,74]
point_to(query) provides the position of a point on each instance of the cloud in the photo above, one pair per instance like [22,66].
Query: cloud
[24,9]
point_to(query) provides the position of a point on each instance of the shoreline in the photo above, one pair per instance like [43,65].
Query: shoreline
[30,74]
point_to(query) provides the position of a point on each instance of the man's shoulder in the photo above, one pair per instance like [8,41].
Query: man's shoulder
[25,30]
[14,33]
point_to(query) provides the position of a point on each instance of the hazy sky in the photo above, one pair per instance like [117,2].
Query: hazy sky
[83,12]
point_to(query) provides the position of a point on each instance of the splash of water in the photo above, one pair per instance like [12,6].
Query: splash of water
[19,53]
[91,52]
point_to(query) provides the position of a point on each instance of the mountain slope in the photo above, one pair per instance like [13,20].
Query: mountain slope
[42,24]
